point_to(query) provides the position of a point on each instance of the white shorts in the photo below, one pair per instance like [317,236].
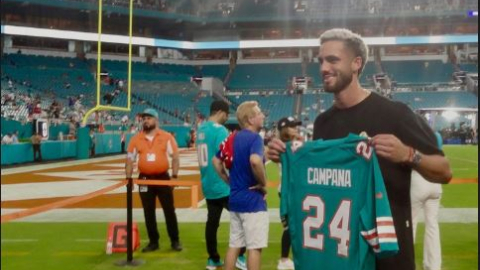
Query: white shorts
[249,230]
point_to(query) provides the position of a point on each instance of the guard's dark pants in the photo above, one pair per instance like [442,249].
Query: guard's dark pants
[36,149]
[165,195]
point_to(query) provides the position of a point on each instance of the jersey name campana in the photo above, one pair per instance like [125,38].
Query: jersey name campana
[336,205]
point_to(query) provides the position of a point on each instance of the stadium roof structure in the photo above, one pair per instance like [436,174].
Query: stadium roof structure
[242,44]
[458,109]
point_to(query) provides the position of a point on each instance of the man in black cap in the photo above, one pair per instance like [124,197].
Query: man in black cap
[210,135]
[288,130]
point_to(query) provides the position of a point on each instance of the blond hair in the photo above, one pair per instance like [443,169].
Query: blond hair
[245,111]
[352,41]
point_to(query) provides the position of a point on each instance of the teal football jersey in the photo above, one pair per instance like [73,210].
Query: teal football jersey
[209,137]
[336,205]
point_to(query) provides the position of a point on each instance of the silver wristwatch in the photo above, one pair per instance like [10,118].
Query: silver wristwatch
[417,157]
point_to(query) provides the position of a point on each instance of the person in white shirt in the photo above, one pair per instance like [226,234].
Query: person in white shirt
[425,199]
[7,139]
[15,137]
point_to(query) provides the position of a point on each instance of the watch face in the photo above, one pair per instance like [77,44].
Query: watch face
[416,158]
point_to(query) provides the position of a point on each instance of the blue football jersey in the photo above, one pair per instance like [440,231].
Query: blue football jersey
[336,205]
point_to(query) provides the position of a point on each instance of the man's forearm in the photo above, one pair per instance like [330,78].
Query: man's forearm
[434,168]
[220,169]
[259,173]
[175,166]
[129,169]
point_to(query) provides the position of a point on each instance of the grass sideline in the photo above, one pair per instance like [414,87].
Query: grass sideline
[81,246]
[463,160]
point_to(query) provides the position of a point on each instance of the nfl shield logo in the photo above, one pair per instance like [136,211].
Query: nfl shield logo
[296,145]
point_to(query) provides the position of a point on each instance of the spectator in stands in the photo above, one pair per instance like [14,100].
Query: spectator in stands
[36,140]
[71,101]
[37,110]
[122,141]
[124,120]
[132,129]
[192,138]
[108,98]
[15,137]
[120,84]
[101,128]
[72,130]
[7,139]
[93,141]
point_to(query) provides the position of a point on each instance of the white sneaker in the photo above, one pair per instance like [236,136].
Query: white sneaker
[285,265]
[241,262]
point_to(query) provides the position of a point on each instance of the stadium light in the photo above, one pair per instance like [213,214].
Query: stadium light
[473,13]
[450,115]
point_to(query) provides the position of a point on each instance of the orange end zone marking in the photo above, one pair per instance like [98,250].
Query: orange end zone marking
[59,204]
[464,181]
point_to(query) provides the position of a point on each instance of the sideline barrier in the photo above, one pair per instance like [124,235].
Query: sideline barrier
[51,150]
[56,150]
[192,184]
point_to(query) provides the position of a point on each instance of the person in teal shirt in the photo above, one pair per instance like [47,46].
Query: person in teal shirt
[209,137]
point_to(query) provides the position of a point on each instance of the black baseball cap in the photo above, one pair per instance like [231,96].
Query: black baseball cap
[219,105]
[288,122]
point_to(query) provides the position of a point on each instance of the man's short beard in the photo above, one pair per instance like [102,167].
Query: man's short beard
[343,81]
[147,128]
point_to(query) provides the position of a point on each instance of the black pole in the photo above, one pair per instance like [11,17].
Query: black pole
[130,261]
[129,220]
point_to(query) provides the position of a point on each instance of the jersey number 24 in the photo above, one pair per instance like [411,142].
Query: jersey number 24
[339,225]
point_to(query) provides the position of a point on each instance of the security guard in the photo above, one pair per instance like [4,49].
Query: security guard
[153,146]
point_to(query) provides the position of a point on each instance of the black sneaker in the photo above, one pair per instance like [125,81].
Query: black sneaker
[177,246]
[151,247]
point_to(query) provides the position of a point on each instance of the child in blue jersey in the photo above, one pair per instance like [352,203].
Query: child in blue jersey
[209,137]
[248,208]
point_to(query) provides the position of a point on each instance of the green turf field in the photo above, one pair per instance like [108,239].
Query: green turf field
[464,164]
[81,246]
[463,160]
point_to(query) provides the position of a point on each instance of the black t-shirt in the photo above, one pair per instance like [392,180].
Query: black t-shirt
[378,115]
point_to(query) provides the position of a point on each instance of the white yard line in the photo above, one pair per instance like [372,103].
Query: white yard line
[18,240]
[446,215]
[464,159]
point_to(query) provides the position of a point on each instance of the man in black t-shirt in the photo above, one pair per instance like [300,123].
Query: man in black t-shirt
[401,140]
